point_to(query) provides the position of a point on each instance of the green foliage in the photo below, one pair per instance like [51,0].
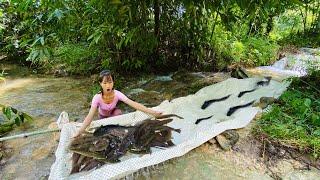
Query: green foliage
[296,120]
[254,51]
[297,27]
[306,39]
[12,117]
[76,58]
[290,22]
[241,49]
[127,36]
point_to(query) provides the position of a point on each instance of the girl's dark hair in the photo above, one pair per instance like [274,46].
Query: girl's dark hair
[103,74]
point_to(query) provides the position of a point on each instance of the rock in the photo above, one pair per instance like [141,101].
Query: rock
[212,141]
[239,73]
[60,73]
[264,102]
[136,91]
[227,139]
[163,78]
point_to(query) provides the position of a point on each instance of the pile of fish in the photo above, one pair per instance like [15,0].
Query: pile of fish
[109,143]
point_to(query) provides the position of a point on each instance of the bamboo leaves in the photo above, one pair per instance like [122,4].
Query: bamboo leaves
[14,116]
[154,32]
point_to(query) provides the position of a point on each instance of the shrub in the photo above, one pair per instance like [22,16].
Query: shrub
[77,58]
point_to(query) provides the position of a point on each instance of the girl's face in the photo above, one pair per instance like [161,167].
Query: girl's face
[107,83]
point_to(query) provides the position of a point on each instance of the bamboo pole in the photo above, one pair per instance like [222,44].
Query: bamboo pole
[24,135]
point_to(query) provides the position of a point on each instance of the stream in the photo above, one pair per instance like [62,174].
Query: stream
[44,97]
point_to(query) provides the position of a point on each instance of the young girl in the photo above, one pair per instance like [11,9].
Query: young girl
[105,102]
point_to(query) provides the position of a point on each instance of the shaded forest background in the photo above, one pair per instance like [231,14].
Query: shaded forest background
[85,36]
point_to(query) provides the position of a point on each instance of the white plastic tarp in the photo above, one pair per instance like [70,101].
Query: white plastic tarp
[191,135]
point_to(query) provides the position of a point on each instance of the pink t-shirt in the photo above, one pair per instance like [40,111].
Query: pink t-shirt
[105,109]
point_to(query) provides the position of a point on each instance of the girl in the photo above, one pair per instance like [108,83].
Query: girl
[105,102]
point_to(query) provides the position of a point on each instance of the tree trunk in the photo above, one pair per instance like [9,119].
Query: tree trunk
[305,17]
[269,24]
[215,22]
[157,26]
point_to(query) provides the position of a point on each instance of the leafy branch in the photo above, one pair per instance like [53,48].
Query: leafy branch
[12,117]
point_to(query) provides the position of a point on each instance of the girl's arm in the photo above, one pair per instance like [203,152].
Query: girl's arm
[87,121]
[142,108]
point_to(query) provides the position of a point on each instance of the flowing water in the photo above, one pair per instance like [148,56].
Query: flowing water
[45,97]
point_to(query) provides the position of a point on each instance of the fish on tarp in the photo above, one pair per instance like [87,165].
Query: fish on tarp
[235,108]
[167,116]
[201,119]
[244,92]
[259,83]
[209,102]
[264,82]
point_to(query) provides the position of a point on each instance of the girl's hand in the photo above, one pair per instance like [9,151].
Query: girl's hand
[157,113]
[76,135]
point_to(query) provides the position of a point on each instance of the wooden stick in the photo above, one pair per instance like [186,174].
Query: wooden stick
[29,134]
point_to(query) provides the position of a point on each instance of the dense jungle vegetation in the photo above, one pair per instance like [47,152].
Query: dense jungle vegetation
[84,36]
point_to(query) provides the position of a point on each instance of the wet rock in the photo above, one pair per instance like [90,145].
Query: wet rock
[239,73]
[199,74]
[135,91]
[163,78]
[60,73]
[264,102]
[186,77]
[227,139]
[212,141]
